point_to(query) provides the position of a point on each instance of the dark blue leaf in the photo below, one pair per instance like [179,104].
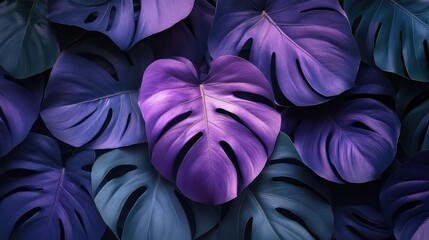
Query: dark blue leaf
[43,196]
[19,109]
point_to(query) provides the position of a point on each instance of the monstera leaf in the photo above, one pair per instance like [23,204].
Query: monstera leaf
[413,108]
[27,45]
[393,34]
[287,37]
[212,136]
[405,199]
[91,96]
[352,139]
[44,197]
[126,22]
[357,212]
[19,108]
[286,201]
[137,203]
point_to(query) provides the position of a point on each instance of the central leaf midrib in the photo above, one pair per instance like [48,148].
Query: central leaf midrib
[54,203]
[103,97]
[203,99]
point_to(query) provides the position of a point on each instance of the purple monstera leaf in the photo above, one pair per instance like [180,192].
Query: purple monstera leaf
[306,47]
[351,139]
[212,135]
[91,96]
[404,199]
[19,108]
[126,22]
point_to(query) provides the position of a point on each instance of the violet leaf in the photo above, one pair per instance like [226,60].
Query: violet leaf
[404,199]
[91,96]
[286,201]
[310,60]
[46,197]
[352,139]
[126,22]
[137,203]
[19,109]
[210,136]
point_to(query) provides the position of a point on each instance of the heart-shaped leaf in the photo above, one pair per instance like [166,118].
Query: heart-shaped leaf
[27,44]
[44,197]
[357,212]
[91,96]
[413,108]
[286,201]
[393,34]
[126,22]
[137,203]
[19,108]
[352,139]
[405,199]
[287,38]
[212,137]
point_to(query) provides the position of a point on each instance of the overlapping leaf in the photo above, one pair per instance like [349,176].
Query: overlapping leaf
[126,22]
[393,34]
[405,199]
[91,96]
[413,108]
[213,135]
[357,212]
[188,38]
[27,44]
[352,139]
[286,201]
[19,108]
[137,203]
[43,196]
[308,59]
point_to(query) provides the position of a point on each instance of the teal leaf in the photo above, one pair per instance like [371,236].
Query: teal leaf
[412,105]
[137,203]
[393,35]
[286,201]
[27,44]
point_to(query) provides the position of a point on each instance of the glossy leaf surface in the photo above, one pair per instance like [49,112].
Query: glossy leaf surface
[352,139]
[287,38]
[137,203]
[91,96]
[212,136]
[286,201]
[126,22]
[393,34]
